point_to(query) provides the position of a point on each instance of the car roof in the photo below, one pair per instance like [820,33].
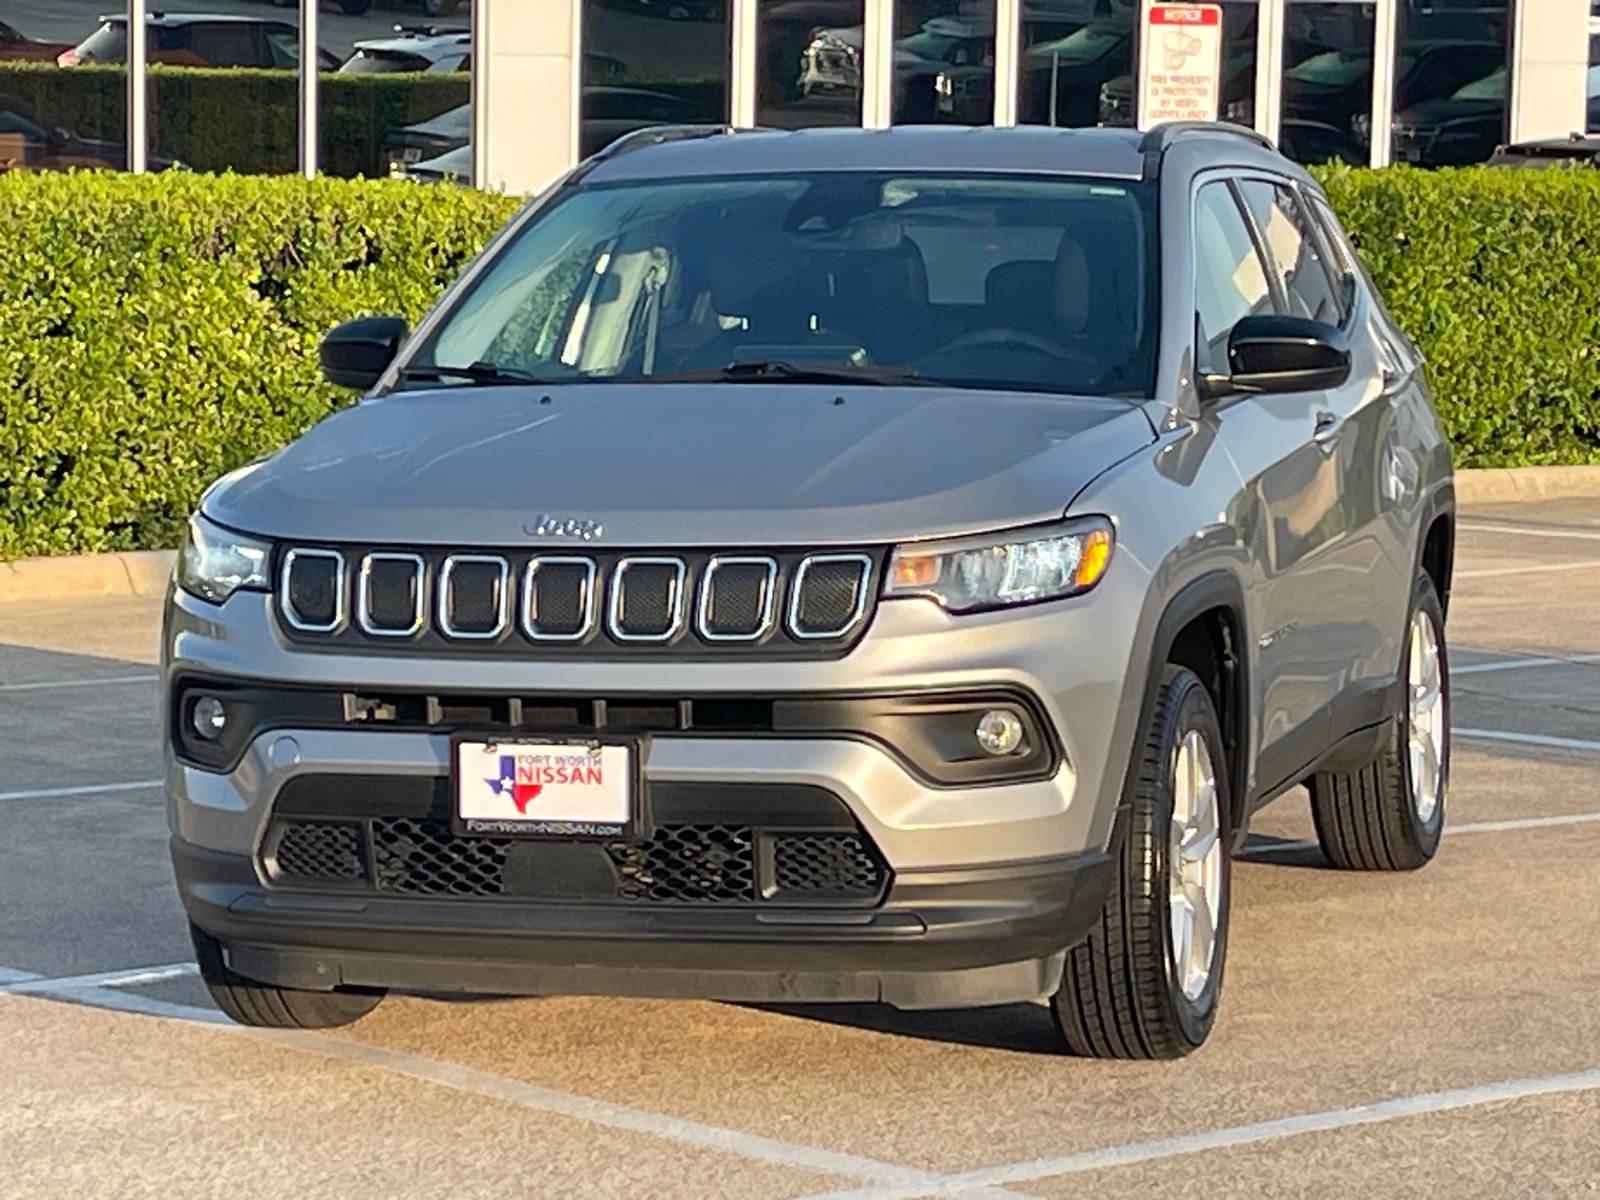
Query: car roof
[418,40]
[165,18]
[1102,152]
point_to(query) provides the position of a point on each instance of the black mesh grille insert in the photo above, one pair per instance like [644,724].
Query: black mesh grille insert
[705,863]
[647,598]
[313,589]
[420,855]
[830,592]
[838,864]
[392,600]
[473,599]
[557,600]
[737,599]
[319,850]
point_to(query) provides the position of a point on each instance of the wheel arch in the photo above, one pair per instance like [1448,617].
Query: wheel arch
[1436,545]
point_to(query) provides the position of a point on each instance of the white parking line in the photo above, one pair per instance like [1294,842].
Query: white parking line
[1526,739]
[1530,531]
[1236,1135]
[1519,664]
[73,683]
[137,977]
[92,789]
[1489,572]
[12,975]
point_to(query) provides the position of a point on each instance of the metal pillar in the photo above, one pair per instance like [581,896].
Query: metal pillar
[1385,44]
[309,119]
[877,65]
[1007,53]
[742,81]
[138,95]
[1269,67]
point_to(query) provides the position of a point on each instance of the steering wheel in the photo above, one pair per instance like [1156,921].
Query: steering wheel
[998,337]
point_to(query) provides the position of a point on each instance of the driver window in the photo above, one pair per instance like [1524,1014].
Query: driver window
[1230,281]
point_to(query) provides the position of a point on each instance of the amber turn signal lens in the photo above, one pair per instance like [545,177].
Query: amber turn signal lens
[1096,554]
[918,571]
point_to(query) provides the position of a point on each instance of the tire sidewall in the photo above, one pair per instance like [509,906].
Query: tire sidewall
[1189,710]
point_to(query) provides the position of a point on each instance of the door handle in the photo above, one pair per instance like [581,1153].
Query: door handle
[1326,432]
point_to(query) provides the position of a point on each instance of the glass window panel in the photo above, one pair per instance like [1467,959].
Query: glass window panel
[1327,81]
[1451,82]
[50,119]
[1230,282]
[1293,253]
[400,101]
[944,62]
[1078,57]
[652,62]
[808,56]
[1237,102]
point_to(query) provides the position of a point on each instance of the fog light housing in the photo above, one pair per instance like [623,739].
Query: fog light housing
[209,718]
[999,732]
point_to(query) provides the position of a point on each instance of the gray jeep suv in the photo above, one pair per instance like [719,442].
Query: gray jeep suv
[824,566]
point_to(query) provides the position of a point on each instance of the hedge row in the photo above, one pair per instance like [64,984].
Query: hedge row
[157,331]
[239,119]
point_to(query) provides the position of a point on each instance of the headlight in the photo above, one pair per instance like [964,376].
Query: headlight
[1002,570]
[216,562]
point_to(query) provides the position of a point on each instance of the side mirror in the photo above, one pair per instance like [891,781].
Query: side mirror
[1286,354]
[356,353]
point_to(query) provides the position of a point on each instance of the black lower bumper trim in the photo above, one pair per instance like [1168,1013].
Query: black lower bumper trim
[949,938]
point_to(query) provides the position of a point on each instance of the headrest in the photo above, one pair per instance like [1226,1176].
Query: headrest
[1071,289]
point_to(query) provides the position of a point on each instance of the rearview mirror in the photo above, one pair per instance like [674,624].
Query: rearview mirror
[1286,354]
[355,354]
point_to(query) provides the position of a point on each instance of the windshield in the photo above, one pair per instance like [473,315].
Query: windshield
[1013,282]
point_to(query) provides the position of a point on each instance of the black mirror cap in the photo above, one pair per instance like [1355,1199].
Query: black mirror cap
[355,354]
[1287,354]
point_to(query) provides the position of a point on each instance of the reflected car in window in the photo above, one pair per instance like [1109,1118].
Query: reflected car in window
[15,46]
[199,40]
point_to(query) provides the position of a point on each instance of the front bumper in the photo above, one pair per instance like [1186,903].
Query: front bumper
[940,939]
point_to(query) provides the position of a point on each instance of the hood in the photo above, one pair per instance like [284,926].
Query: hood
[681,465]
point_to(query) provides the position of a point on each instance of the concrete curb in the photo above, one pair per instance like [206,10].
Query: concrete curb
[1488,485]
[145,572]
[131,573]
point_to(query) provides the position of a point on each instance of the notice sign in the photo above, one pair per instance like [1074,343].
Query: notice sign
[1180,63]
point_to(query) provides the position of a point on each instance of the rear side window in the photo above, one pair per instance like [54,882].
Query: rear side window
[225,45]
[1295,256]
[109,43]
[1230,280]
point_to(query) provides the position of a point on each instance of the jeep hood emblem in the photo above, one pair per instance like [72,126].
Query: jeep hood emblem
[544,525]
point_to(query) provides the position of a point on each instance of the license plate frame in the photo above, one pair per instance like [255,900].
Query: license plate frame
[481,809]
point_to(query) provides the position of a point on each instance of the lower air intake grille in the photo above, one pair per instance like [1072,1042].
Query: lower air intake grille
[831,864]
[705,863]
[420,855]
[319,850]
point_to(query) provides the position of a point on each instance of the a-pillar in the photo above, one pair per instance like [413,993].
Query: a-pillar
[526,68]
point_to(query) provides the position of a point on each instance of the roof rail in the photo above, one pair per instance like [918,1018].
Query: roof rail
[1159,138]
[655,135]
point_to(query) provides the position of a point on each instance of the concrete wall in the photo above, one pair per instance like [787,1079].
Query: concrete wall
[525,88]
[1550,45]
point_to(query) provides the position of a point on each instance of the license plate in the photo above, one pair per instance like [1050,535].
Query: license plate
[542,787]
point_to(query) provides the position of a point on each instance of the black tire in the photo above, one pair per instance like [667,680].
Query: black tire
[267,1007]
[1367,819]
[1120,994]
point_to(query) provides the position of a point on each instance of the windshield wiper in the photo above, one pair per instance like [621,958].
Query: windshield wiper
[772,370]
[479,374]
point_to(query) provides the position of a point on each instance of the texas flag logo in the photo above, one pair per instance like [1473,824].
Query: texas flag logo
[517,781]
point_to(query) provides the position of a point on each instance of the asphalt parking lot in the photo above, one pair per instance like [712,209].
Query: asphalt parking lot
[1430,1034]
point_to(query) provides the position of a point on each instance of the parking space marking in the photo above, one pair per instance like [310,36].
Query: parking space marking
[1530,531]
[1238,1135]
[136,977]
[1521,664]
[1489,572]
[91,789]
[72,683]
[11,975]
[1527,739]
[1279,845]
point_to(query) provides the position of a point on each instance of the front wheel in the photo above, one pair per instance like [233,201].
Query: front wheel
[1388,814]
[1145,982]
[268,1007]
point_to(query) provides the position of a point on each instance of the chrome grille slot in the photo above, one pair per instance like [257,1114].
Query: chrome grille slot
[390,598]
[312,590]
[737,596]
[829,595]
[558,601]
[646,599]
[474,596]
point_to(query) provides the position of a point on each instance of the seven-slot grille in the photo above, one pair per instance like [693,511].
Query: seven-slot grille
[795,601]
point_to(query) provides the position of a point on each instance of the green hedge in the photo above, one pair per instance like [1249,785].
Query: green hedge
[239,119]
[157,331]
[1495,274]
